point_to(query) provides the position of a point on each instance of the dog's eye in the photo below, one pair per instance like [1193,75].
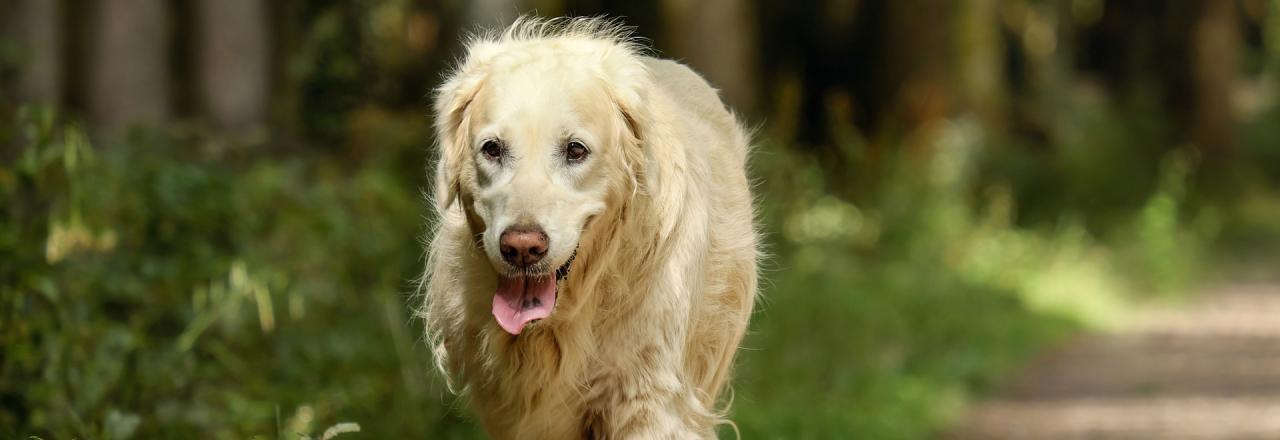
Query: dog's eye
[575,151]
[492,149]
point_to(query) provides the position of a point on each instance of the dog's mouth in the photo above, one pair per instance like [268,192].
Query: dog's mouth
[524,299]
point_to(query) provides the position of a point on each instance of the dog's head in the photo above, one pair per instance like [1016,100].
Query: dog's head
[538,131]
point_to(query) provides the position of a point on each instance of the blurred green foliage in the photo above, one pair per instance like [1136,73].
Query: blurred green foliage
[151,288]
[151,293]
[880,320]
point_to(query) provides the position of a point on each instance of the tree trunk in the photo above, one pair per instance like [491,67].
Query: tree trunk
[36,26]
[717,39]
[128,73]
[1215,59]
[914,69]
[979,63]
[233,64]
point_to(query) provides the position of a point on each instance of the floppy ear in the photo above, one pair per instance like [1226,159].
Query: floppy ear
[627,84]
[451,103]
[655,153]
[633,134]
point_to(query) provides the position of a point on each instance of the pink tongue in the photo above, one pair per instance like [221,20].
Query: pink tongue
[522,300]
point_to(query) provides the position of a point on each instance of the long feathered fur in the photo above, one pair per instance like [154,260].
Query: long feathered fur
[644,334]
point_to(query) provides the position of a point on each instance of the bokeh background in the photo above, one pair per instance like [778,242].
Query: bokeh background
[211,210]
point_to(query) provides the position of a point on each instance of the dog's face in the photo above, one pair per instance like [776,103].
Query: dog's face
[538,150]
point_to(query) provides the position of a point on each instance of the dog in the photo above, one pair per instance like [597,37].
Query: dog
[594,264]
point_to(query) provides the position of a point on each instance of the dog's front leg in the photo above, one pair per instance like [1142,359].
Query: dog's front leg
[641,390]
[654,406]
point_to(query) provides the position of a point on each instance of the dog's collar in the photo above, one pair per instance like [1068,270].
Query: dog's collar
[563,271]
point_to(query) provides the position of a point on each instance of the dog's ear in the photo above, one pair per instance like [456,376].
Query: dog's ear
[654,153]
[628,89]
[631,117]
[452,101]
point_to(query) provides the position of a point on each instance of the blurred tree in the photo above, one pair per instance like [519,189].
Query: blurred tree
[1041,34]
[887,60]
[1189,51]
[128,77]
[232,55]
[864,76]
[1214,64]
[718,39]
[913,71]
[980,60]
[1271,38]
[36,27]
[824,69]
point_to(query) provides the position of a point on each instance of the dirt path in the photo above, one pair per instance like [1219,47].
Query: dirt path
[1207,370]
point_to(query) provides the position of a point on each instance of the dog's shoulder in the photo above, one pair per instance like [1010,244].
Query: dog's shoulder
[684,85]
[694,105]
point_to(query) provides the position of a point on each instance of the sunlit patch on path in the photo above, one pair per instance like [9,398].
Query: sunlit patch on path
[1207,370]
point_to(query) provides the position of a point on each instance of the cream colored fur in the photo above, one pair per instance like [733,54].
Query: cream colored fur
[642,339]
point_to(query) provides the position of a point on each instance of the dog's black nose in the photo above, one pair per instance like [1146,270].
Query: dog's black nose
[523,246]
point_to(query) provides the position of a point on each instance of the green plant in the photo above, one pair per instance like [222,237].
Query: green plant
[150,292]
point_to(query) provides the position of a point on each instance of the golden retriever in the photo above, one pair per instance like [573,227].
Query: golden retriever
[594,265]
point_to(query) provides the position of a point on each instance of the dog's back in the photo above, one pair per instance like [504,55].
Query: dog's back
[719,145]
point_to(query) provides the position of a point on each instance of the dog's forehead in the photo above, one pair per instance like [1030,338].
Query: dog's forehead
[549,71]
[543,93]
